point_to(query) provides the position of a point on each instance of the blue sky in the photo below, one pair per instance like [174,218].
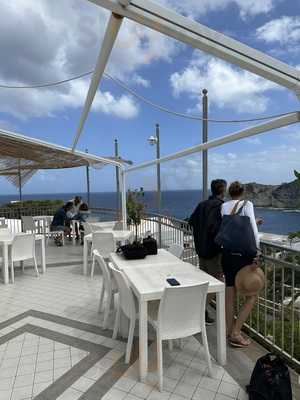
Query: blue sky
[62,39]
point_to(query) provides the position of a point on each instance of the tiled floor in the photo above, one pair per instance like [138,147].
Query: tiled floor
[52,347]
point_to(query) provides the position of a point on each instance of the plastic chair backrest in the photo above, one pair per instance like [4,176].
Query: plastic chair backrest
[176,250]
[87,228]
[28,223]
[118,226]
[182,311]
[23,246]
[103,242]
[107,278]
[126,299]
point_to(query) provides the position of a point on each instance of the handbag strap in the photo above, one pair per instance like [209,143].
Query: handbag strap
[233,211]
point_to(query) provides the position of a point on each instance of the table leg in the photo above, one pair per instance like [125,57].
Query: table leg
[43,254]
[143,339]
[85,256]
[5,264]
[221,328]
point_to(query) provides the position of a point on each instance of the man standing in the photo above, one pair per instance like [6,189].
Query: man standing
[205,221]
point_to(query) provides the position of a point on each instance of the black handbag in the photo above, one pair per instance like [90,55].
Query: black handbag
[236,234]
[133,251]
[270,380]
[150,244]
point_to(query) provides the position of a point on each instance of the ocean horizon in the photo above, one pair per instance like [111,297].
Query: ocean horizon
[177,203]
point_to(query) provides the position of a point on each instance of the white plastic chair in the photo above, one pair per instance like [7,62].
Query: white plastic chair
[109,287]
[104,243]
[181,313]
[118,226]
[23,248]
[126,303]
[28,224]
[176,249]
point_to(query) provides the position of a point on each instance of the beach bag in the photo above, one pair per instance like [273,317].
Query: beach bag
[236,234]
[270,379]
[133,251]
[151,245]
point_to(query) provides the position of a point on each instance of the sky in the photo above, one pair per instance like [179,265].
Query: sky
[57,40]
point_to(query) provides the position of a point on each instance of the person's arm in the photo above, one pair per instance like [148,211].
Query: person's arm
[250,213]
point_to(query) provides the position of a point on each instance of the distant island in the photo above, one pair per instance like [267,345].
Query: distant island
[286,195]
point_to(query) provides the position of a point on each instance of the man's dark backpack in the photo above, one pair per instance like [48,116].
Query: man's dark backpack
[270,380]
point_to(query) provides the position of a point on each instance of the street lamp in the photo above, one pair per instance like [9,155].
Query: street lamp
[155,140]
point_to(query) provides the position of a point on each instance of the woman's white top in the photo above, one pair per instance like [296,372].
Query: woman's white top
[248,210]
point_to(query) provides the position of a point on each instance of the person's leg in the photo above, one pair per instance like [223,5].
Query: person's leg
[236,336]
[230,294]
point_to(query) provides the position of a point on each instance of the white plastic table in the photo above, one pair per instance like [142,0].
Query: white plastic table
[103,225]
[149,282]
[162,257]
[119,236]
[6,241]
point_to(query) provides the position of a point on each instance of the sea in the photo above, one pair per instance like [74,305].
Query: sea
[179,204]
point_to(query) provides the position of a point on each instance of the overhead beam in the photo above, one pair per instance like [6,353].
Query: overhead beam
[110,36]
[252,131]
[201,37]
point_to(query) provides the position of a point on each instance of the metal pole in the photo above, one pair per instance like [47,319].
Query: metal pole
[124,203]
[20,181]
[88,181]
[117,179]
[158,181]
[204,140]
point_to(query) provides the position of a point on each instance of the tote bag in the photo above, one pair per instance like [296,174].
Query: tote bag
[236,234]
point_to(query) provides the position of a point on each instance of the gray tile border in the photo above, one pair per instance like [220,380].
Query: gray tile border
[96,352]
[57,320]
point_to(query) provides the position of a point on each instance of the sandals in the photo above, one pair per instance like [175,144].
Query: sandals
[238,341]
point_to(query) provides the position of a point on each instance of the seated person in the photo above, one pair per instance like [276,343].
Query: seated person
[60,222]
[77,202]
[82,216]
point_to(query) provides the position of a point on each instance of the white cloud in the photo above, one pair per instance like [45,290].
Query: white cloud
[246,7]
[228,87]
[284,30]
[44,102]
[56,40]
[271,165]
[140,81]
[253,140]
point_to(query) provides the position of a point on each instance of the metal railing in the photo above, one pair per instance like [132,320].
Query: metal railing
[12,216]
[275,319]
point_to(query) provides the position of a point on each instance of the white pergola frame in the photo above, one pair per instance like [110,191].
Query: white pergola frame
[190,32]
[170,23]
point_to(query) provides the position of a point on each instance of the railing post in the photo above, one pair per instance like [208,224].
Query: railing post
[204,140]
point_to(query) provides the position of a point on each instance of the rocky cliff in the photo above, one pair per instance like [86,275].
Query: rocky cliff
[286,195]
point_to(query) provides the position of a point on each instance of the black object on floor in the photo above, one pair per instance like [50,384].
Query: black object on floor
[270,379]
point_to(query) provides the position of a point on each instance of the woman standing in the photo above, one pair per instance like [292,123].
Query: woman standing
[232,263]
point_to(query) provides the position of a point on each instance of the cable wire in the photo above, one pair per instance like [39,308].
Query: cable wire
[146,101]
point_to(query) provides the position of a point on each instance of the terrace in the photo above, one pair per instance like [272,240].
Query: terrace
[53,345]
[52,341]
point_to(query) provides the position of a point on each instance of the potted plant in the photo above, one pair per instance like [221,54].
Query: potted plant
[135,213]
[135,209]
